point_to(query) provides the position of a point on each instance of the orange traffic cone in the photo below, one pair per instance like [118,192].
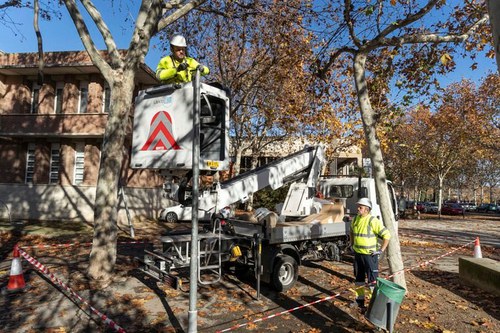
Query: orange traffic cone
[16,278]
[477,249]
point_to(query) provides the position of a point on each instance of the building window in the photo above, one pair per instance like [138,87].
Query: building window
[59,97]
[35,98]
[55,159]
[84,97]
[245,163]
[79,163]
[30,163]
[106,99]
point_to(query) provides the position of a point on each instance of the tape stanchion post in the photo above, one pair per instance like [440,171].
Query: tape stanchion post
[44,270]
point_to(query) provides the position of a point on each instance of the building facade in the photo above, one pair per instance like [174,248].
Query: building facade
[346,161]
[51,135]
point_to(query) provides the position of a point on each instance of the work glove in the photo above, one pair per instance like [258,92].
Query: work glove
[201,68]
[376,253]
[182,66]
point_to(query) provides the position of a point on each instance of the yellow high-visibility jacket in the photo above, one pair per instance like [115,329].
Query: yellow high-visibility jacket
[365,231]
[167,73]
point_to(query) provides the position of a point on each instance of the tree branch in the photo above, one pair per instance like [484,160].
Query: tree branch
[348,20]
[11,3]
[145,25]
[430,38]
[41,62]
[103,29]
[179,13]
[321,73]
[81,27]
[402,23]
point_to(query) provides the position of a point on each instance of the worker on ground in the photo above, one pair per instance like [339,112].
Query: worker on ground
[178,67]
[365,232]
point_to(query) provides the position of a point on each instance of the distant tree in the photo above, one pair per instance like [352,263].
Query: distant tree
[402,159]
[490,176]
[487,96]
[454,142]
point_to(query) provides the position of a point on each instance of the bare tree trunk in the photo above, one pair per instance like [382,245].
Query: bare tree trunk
[440,195]
[103,255]
[368,117]
[41,63]
[237,161]
[494,10]
[255,161]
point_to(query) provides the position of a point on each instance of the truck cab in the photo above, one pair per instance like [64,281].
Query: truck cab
[351,189]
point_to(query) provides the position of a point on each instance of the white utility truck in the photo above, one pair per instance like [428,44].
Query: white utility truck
[272,246]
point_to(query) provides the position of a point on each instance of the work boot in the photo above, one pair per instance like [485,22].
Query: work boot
[361,303]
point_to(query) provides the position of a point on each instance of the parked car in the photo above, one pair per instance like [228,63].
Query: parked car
[410,204]
[487,208]
[431,207]
[472,207]
[452,209]
[421,206]
[468,206]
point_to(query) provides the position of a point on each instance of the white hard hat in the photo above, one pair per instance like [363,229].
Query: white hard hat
[365,202]
[178,40]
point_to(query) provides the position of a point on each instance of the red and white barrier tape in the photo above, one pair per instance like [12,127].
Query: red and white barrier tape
[425,263]
[43,246]
[453,238]
[54,279]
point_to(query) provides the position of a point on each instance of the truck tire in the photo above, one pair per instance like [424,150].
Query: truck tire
[171,217]
[285,272]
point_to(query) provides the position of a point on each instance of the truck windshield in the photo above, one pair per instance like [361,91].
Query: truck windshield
[338,191]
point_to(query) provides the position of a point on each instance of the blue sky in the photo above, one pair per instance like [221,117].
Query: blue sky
[61,35]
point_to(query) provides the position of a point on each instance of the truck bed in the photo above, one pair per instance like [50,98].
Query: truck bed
[286,232]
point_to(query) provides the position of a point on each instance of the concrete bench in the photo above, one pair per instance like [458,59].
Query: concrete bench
[483,273]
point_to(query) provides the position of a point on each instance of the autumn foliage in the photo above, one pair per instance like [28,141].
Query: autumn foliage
[452,139]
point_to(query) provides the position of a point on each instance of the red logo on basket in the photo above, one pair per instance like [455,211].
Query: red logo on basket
[160,133]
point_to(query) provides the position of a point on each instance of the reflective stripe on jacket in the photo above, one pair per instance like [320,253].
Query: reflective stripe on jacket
[167,73]
[365,231]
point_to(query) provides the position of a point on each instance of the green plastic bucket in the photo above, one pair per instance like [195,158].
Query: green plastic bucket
[384,305]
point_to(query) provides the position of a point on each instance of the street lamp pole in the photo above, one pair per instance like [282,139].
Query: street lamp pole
[193,268]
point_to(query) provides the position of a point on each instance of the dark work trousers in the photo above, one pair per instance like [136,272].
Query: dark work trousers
[365,266]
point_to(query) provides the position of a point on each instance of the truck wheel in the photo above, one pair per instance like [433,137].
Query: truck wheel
[285,272]
[332,252]
[171,217]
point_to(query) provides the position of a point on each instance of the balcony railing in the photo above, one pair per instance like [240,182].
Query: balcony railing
[88,124]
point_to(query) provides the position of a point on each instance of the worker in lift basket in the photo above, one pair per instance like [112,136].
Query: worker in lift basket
[178,67]
[365,231]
